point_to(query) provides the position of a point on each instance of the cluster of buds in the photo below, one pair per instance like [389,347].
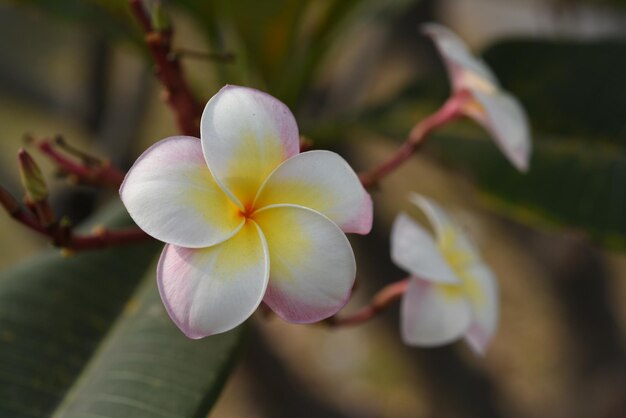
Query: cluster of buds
[36,189]
[36,211]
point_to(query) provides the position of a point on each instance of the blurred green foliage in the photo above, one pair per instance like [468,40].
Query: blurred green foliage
[573,89]
[575,95]
[111,17]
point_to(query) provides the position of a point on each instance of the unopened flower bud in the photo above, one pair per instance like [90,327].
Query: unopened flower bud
[32,178]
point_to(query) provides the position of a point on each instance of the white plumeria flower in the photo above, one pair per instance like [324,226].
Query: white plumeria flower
[487,103]
[451,293]
[247,218]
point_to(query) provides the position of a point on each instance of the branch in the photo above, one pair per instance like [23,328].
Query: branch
[177,93]
[61,235]
[450,111]
[380,302]
[91,171]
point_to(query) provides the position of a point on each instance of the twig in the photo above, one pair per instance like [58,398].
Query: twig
[450,111]
[92,171]
[177,93]
[62,236]
[381,301]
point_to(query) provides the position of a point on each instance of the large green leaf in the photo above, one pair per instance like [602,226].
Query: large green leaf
[573,184]
[53,313]
[56,316]
[147,368]
[569,88]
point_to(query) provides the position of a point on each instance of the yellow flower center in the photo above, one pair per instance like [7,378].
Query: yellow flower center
[460,260]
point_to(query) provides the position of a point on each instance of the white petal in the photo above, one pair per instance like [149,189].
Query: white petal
[504,117]
[246,134]
[478,282]
[312,267]
[463,67]
[211,290]
[413,249]
[324,182]
[447,232]
[170,193]
[482,292]
[433,314]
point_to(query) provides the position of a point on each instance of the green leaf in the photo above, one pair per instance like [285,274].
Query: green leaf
[109,16]
[57,340]
[147,368]
[572,89]
[573,184]
[53,313]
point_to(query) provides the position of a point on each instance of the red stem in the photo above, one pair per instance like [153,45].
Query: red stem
[107,238]
[66,239]
[63,237]
[103,175]
[450,111]
[177,93]
[381,301]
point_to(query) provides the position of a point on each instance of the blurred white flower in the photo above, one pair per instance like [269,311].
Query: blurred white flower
[486,102]
[452,293]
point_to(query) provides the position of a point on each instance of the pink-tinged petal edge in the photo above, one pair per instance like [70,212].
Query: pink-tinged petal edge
[362,223]
[299,312]
[231,306]
[312,286]
[323,181]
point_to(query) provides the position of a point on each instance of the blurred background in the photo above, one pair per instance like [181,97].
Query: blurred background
[358,74]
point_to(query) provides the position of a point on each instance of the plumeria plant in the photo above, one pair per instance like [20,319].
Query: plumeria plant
[248,219]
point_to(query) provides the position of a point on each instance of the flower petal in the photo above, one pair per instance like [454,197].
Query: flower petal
[463,67]
[211,290]
[449,236]
[433,314]
[482,292]
[478,282]
[504,117]
[170,193]
[245,135]
[312,264]
[413,249]
[324,182]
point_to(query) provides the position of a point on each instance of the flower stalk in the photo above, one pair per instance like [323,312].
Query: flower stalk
[449,112]
[91,171]
[61,234]
[380,302]
[177,93]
